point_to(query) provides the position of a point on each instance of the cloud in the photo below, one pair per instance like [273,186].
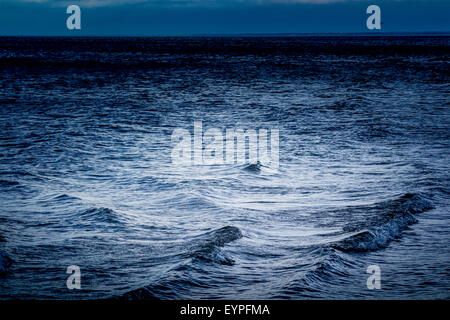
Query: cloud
[85,3]
[207,3]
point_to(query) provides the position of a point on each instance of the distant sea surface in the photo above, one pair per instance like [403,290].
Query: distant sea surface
[86,176]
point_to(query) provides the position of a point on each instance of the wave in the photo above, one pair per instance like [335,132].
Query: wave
[206,247]
[100,215]
[394,217]
[64,197]
[201,249]
[8,183]
[83,64]
[329,266]
[253,167]
[16,173]
[220,237]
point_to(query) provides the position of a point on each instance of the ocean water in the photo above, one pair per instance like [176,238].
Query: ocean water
[86,176]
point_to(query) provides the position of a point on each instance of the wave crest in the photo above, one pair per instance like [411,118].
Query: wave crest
[206,247]
[376,233]
[100,215]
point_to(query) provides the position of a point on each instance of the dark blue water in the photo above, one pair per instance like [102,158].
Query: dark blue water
[86,176]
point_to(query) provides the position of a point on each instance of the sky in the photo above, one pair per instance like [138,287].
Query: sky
[204,17]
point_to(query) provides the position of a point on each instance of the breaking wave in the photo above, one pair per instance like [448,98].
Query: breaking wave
[379,231]
[206,247]
[253,167]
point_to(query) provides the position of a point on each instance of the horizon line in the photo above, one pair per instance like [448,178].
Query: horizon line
[244,34]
